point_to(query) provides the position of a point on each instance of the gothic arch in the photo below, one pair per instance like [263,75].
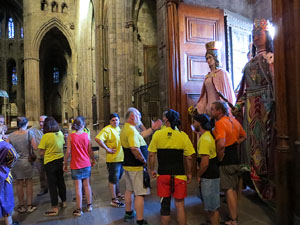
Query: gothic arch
[54,22]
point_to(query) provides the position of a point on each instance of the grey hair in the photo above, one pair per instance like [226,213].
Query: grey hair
[43,116]
[129,112]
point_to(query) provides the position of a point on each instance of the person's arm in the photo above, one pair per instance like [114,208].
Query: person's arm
[151,164]
[103,145]
[138,154]
[155,126]
[67,154]
[91,153]
[188,160]
[203,166]
[242,135]
[34,144]
[220,146]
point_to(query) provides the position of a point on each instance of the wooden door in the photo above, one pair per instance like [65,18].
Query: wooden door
[197,26]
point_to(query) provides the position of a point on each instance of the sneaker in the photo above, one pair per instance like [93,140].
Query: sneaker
[31,208]
[128,217]
[117,204]
[89,208]
[77,212]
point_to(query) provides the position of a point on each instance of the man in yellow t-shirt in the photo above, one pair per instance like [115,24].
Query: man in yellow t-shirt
[109,139]
[135,158]
[208,173]
[172,147]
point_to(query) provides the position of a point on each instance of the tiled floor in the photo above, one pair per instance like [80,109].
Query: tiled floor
[251,210]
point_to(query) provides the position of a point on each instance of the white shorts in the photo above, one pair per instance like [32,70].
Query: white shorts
[134,182]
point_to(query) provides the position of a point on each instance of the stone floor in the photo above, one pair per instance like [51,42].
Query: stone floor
[252,211]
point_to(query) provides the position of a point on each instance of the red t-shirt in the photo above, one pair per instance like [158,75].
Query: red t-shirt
[80,157]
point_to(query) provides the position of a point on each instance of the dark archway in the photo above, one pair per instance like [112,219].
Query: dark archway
[55,56]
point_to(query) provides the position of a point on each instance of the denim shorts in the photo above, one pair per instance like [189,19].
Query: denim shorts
[210,190]
[115,171]
[80,174]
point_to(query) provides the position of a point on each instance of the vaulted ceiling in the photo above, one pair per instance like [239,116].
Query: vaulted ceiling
[12,8]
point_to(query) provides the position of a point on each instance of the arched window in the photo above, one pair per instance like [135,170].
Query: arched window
[55,75]
[14,76]
[11,28]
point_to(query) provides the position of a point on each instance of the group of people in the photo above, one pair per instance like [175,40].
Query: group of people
[127,152]
[46,141]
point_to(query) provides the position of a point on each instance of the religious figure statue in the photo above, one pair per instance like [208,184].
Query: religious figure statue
[256,104]
[216,82]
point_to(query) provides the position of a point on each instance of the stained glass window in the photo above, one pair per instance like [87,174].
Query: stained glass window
[14,77]
[55,75]
[11,28]
[22,33]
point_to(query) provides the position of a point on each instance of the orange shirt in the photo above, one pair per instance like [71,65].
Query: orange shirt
[229,129]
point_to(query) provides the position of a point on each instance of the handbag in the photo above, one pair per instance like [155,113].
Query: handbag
[31,157]
[146,178]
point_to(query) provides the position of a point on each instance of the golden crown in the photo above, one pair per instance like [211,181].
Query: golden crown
[213,45]
[260,24]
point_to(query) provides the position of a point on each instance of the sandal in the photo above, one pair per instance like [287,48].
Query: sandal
[89,207]
[51,212]
[21,209]
[64,204]
[120,197]
[116,203]
[77,212]
[31,208]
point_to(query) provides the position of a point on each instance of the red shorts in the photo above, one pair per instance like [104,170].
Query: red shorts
[164,187]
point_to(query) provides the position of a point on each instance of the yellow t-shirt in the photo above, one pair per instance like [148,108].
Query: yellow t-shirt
[168,138]
[53,144]
[130,137]
[111,137]
[206,145]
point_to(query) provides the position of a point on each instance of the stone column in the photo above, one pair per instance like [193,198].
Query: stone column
[31,65]
[120,51]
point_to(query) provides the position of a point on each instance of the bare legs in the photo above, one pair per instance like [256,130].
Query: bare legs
[87,190]
[231,197]
[179,203]
[214,217]
[20,191]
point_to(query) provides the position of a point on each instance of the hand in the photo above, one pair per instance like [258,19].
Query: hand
[65,168]
[153,174]
[93,162]
[235,111]
[189,178]
[111,151]
[156,125]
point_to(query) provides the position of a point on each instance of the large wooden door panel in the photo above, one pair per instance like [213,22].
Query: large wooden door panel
[197,26]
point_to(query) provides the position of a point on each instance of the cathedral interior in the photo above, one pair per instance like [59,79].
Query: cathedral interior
[65,58]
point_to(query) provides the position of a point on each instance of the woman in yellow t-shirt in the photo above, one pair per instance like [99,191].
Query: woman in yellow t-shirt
[51,147]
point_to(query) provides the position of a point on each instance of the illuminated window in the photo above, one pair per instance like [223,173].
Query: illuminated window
[55,75]
[11,28]
[22,32]
[14,77]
